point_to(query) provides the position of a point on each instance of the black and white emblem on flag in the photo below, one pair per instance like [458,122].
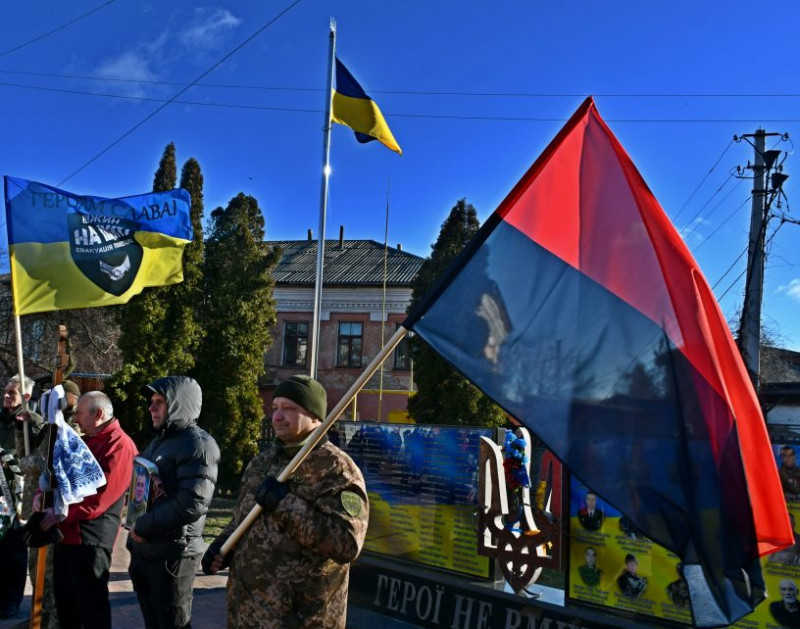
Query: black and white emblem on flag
[104,249]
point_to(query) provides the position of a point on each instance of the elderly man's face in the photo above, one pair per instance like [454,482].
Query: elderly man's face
[88,418]
[788,592]
[591,557]
[11,397]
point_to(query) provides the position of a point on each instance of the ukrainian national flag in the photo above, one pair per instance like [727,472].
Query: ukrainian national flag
[579,309]
[72,251]
[353,108]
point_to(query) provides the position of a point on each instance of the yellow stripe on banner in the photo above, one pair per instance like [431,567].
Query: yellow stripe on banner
[365,117]
[45,277]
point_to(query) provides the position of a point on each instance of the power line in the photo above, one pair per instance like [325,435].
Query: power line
[55,30]
[729,217]
[401,92]
[161,100]
[174,98]
[702,181]
[690,224]
[769,240]
[170,83]
[728,270]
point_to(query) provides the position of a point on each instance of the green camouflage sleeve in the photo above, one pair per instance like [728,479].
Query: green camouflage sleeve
[333,520]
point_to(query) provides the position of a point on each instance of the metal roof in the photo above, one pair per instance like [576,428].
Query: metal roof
[353,263]
[779,366]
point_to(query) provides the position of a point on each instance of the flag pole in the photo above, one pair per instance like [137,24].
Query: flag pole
[318,433]
[383,303]
[21,372]
[326,171]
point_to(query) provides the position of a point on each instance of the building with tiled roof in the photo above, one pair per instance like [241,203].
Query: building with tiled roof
[780,385]
[364,284]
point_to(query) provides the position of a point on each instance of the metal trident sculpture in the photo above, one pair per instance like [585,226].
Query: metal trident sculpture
[523,538]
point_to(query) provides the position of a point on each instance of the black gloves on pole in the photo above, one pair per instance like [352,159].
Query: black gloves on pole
[212,551]
[270,493]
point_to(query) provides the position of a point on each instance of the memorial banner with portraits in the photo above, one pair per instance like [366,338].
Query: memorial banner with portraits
[782,569]
[612,565]
[422,485]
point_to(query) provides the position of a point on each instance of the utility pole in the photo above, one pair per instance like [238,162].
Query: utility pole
[764,193]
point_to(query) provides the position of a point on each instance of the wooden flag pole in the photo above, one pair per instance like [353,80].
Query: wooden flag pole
[21,372]
[37,600]
[318,433]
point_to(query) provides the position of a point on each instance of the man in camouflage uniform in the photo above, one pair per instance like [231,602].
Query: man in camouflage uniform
[13,552]
[291,567]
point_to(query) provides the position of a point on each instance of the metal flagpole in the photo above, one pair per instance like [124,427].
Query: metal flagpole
[326,171]
[383,304]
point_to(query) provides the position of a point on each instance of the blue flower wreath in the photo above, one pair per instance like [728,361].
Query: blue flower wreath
[515,462]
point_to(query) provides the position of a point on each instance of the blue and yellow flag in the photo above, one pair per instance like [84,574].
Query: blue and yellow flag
[73,251]
[353,108]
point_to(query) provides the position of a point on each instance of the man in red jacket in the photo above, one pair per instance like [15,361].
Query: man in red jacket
[81,561]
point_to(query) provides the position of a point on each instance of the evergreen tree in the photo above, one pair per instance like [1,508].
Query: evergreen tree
[167,173]
[159,329]
[238,312]
[444,395]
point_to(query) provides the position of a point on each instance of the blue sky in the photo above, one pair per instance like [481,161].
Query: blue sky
[472,91]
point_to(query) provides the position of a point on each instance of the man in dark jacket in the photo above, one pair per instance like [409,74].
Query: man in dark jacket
[82,560]
[166,543]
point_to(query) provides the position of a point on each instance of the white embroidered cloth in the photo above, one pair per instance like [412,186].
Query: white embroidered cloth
[76,471]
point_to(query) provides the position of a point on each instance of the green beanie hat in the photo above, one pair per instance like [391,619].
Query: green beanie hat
[306,392]
[71,387]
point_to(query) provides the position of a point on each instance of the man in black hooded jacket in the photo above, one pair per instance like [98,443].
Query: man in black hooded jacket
[166,542]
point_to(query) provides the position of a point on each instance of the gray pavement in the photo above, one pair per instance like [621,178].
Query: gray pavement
[208,610]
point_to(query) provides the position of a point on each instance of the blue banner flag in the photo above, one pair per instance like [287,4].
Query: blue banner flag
[79,251]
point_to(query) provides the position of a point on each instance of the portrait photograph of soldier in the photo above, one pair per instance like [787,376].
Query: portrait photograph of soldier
[590,515]
[590,572]
[789,473]
[139,492]
[678,590]
[786,612]
[631,584]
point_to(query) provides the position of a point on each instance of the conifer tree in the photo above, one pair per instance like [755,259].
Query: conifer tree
[444,395]
[238,312]
[159,330]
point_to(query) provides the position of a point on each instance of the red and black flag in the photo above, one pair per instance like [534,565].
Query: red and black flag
[579,309]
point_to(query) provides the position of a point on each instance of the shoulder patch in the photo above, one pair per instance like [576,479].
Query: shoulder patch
[351,503]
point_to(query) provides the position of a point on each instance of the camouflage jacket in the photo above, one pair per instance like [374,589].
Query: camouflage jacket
[291,568]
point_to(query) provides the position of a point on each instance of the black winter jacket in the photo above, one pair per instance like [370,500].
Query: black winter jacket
[187,458]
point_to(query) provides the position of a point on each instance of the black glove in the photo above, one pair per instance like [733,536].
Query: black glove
[212,551]
[270,493]
[35,537]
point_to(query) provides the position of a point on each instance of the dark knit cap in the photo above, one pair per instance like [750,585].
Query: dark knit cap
[306,392]
[71,387]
